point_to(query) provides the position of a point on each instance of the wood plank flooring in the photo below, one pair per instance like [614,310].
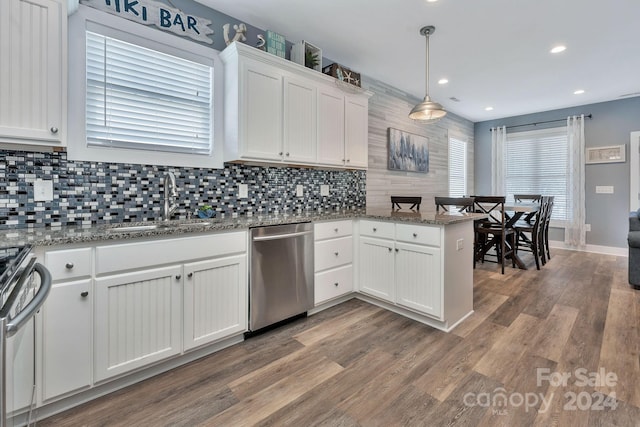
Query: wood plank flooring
[359,365]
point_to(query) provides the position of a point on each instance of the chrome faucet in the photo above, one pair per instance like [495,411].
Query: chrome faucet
[170,195]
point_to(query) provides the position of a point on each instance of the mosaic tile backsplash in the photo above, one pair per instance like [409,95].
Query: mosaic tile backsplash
[88,193]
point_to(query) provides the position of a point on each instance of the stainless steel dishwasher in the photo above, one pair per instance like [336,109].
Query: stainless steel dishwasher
[281,275]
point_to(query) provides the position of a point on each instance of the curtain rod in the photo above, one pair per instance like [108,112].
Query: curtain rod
[587,116]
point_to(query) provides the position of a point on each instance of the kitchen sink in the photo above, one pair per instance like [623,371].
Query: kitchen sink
[134,228]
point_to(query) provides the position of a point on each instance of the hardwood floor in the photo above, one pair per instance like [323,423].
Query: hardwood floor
[358,365]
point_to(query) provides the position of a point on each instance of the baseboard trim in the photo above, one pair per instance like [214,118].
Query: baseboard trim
[597,249]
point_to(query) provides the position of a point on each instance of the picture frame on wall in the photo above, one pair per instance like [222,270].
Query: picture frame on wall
[408,152]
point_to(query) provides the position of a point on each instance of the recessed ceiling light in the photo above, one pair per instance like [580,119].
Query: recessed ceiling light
[443,81]
[558,49]
[431,1]
[488,109]
[579,92]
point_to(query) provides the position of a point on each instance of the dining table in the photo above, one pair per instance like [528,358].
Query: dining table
[513,212]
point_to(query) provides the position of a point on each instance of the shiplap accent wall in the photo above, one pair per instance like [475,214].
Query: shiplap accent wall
[389,107]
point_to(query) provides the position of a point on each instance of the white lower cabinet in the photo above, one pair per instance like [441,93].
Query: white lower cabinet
[376,267]
[215,295]
[404,274]
[418,278]
[137,319]
[66,343]
[333,260]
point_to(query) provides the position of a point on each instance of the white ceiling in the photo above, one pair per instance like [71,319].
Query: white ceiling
[494,52]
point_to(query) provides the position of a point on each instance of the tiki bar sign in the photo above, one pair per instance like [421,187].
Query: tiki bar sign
[149,12]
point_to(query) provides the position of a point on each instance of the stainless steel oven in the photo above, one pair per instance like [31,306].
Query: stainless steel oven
[24,286]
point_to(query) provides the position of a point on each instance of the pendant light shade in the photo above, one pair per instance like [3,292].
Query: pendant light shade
[427,111]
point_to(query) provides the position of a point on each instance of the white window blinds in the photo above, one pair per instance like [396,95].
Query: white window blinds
[138,98]
[536,162]
[457,168]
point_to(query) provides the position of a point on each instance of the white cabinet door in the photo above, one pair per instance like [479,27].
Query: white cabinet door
[260,111]
[330,126]
[300,120]
[215,300]
[376,268]
[20,378]
[66,339]
[418,280]
[33,41]
[137,319]
[356,131]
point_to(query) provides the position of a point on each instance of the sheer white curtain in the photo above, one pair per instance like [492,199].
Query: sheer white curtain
[498,141]
[574,233]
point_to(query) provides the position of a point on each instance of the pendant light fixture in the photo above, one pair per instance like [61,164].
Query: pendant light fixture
[427,111]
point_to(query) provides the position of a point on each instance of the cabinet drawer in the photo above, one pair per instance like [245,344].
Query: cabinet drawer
[333,283]
[419,234]
[327,230]
[332,253]
[380,229]
[68,263]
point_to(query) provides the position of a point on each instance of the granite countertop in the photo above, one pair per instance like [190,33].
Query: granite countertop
[48,236]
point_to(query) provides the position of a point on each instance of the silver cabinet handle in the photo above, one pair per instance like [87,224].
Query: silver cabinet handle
[280,153]
[190,275]
[178,276]
[415,234]
[390,249]
[84,294]
[336,284]
[375,229]
[397,250]
[348,160]
[287,154]
[69,265]
[54,129]
[335,229]
[336,253]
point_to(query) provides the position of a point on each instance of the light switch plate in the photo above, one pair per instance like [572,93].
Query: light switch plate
[324,190]
[243,191]
[42,190]
[299,190]
[604,189]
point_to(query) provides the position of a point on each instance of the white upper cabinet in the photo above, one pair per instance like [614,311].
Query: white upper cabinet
[277,111]
[33,72]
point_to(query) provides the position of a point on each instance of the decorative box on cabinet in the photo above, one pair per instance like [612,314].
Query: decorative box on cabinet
[33,74]
[333,262]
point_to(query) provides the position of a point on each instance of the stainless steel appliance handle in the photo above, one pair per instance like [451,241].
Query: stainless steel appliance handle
[282,236]
[34,305]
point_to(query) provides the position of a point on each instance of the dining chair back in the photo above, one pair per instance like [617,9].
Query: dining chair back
[460,204]
[413,200]
[529,235]
[545,226]
[527,197]
[493,232]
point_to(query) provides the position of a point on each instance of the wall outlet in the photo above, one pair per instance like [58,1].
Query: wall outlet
[324,190]
[243,191]
[587,227]
[460,244]
[299,190]
[42,190]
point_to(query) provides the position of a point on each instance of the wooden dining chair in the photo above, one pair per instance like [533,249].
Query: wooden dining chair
[414,200]
[529,236]
[460,204]
[528,198]
[493,232]
[545,228]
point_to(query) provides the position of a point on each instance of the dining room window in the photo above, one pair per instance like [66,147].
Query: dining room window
[537,162]
[457,167]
